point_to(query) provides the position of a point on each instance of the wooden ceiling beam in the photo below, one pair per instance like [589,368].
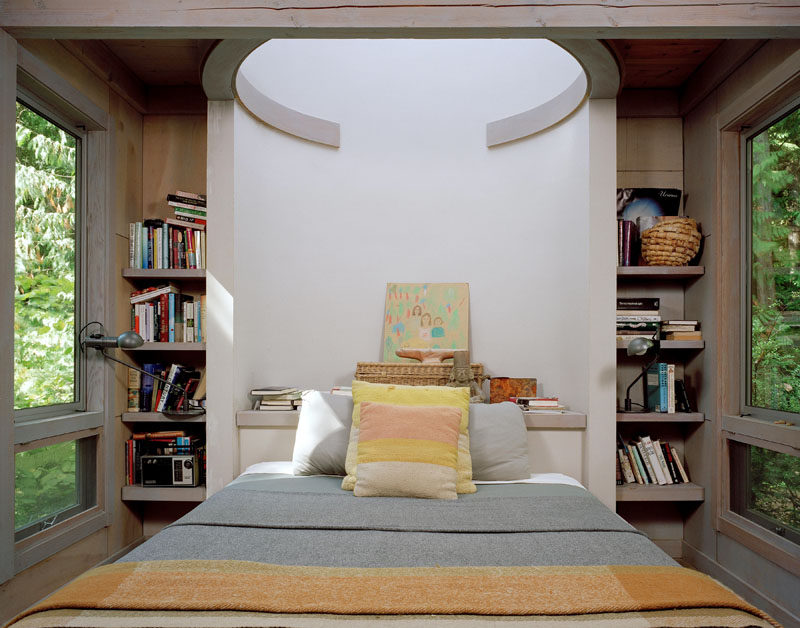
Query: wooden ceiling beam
[227,19]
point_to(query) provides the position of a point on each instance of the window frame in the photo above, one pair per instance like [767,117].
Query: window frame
[21,71]
[42,108]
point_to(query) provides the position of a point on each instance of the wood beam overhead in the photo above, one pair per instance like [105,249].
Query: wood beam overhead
[227,19]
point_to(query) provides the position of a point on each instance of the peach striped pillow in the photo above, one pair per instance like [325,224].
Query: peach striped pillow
[407,451]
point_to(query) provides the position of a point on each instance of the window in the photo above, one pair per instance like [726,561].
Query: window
[46,264]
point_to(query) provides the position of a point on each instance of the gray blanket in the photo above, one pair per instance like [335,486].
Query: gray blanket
[311,521]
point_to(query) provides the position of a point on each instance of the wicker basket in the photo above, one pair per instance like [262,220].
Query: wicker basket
[410,374]
[673,241]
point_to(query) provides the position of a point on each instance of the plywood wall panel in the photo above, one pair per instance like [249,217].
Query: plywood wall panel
[128,164]
[654,144]
[174,149]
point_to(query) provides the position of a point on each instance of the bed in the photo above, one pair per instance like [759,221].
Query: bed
[277,549]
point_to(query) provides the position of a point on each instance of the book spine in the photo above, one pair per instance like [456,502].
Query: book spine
[636,465]
[625,465]
[651,476]
[673,470]
[134,386]
[137,244]
[650,454]
[619,242]
[671,388]
[184,209]
[171,318]
[619,473]
[198,252]
[652,388]
[162,402]
[180,200]
[192,195]
[681,470]
[662,461]
[192,220]
[662,386]
[174,239]
[639,303]
[203,317]
[131,245]
[627,242]
[203,247]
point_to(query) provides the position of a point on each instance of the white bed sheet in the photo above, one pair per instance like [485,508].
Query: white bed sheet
[284,467]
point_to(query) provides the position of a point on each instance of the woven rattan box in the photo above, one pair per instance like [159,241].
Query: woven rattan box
[410,374]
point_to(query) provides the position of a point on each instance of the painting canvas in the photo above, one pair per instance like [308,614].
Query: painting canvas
[425,316]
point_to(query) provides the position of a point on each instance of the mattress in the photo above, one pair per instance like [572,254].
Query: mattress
[276,550]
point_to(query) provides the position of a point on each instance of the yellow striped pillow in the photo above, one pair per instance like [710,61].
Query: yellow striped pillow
[407,451]
[412,396]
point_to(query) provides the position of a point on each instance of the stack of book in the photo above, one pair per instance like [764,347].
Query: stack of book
[165,443]
[175,242]
[147,394]
[664,392]
[681,330]
[647,461]
[276,398]
[638,317]
[539,404]
[163,314]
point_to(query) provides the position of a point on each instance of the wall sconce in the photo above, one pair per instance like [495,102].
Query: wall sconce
[639,346]
[131,340]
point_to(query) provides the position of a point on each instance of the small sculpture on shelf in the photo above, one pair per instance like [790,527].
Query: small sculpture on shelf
[462,376]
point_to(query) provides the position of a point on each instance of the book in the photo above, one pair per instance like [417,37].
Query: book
[663,371]
[645,460]
[191,201]
[625,465]
[639,318]
[682,322]
[183,222]
[639,303]
[627,242]
[536,402]
[652,459]
[619,472]
[146,402]
[200,391]
[681,470]
[672,327]
[683,335]
[198,197]
[673,470]
[153,292]
[134,386]
[636,464]
[652,386]
[662,461]
[671,388]
[681,398]
[273,390]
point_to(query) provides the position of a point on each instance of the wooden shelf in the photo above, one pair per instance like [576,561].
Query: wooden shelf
[660,417]
[171,346]
[163,493]
[688,492]
[267,418]
[164,273]
[565,420]
[660,272]
[141,417]
[670,344]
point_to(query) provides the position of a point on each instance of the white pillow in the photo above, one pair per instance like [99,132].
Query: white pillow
[323,432]
[498,442]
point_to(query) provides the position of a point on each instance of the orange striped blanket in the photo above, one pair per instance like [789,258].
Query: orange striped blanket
[208,585]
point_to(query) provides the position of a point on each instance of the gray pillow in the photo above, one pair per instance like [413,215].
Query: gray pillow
[498,442]
[323,431]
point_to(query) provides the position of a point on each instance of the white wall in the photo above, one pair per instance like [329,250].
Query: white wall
[414,195]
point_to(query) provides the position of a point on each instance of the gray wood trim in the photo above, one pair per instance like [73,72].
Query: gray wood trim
[281,117]
[163,493]
[660,417]
[69,532]
[771,546]
[172,19]
[160,417]
[687,492]
[8,92]
[171,346]
[769,433]
[539,118]
[43,82]
[39,429]
[660,272]
[222,64]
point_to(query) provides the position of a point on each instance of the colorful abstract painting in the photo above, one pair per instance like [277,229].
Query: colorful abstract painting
[425,316]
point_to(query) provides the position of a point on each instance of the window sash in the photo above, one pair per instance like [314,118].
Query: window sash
[746,382]
[25,415]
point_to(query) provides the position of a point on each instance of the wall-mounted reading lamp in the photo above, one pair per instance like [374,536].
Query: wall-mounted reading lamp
[639,346]
[131,340]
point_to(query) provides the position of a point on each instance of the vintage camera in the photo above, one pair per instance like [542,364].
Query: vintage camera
[173,470]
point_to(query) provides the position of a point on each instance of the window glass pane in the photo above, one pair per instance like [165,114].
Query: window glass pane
[769,488]
[45,244]
[775,266]
[45,483]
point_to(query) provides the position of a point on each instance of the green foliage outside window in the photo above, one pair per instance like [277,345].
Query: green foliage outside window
[45,482]
[775,310]
[45,238]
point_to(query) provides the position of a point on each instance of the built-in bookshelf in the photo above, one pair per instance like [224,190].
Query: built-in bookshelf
[189,354]
[658,508]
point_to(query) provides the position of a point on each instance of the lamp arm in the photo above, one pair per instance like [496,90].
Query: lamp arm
[156,377]
[638,377]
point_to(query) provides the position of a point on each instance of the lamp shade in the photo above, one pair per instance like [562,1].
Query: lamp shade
[129,340]
[639,346]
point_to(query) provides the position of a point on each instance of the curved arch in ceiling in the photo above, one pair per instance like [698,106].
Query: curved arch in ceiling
[223,80]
